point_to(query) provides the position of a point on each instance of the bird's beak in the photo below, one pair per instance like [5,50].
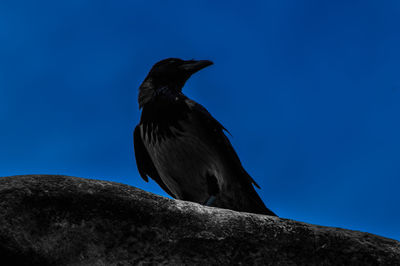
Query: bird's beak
[192,66]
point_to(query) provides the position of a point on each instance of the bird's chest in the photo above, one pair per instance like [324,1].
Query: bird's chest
[179,148]
[161,119]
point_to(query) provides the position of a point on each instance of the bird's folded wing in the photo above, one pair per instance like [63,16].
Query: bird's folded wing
[144,163]
[216,131]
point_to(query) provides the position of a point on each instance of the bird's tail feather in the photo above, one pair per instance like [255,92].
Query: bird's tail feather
[253,203]
[243,199]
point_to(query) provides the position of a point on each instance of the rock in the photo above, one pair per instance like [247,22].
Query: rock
[61,220]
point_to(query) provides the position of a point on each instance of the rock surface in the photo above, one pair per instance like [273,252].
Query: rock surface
[61,220]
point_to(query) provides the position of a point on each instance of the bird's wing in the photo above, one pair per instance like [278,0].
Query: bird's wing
[216,130]
[144,163]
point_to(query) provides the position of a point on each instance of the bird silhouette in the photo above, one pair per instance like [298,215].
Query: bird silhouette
[184,149]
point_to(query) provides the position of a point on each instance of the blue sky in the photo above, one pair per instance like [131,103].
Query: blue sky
[310,91]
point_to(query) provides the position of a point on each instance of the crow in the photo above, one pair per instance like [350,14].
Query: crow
[184,149]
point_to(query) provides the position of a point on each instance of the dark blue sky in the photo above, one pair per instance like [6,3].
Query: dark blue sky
[310,91]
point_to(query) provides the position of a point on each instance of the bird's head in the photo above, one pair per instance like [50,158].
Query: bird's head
[171,73]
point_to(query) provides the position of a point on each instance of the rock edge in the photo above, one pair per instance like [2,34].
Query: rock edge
[62,220]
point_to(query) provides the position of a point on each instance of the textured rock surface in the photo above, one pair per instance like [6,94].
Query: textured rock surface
[60,220]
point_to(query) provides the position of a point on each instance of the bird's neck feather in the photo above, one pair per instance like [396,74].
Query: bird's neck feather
[149,92]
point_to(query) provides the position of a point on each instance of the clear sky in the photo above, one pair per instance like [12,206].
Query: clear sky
[310,91]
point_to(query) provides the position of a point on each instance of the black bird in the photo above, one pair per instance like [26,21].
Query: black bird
[184,149]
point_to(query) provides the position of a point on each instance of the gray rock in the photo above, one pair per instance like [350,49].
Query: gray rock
[61,220]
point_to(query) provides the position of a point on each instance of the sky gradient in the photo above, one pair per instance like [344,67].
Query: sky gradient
[310,91]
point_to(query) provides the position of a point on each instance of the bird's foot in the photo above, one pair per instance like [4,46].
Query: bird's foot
[210,201]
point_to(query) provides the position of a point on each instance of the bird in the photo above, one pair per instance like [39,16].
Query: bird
[183,148]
